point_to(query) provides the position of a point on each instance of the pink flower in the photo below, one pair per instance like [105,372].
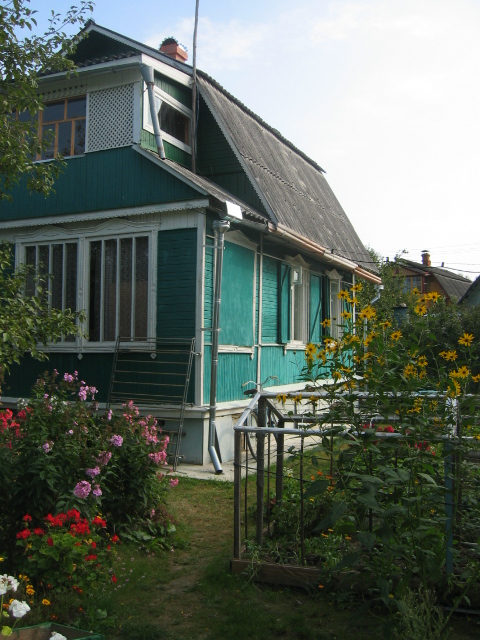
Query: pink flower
[109,415]
[97,491]
[116,440]
[159,457]
[173,482]
[82,489]
[104,457]
[92,472]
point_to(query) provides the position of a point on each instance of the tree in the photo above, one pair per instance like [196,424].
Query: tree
[392,293]
[24,56]
[28,321]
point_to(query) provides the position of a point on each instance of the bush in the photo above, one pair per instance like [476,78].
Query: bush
[60,454]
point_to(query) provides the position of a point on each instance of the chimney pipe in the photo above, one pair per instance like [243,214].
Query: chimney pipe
[173,49]
[426,258]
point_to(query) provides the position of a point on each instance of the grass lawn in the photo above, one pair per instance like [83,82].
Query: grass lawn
[189,594]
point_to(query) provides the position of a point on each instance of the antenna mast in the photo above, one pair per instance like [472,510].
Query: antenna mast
[194,93]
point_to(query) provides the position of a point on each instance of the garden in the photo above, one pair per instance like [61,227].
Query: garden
[377,499]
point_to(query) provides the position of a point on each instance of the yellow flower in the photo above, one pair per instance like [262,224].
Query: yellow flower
[422,361]
[409,371]
[357,287]
[297,398]
[449,355]
[386,324]
[367,313]
[2,559]
[476,378]
[313,399]
[326,323]
[352,300]
[30,590]
[346,315]
[420,309]
[433,295]
[415,291]
[395,335]
[466,339]
[463,372]
[336,375]
[343,294]
[46,602]
[310,350]
[282,397]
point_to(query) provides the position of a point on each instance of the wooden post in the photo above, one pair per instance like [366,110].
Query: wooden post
[237,471]
[280,460]
[262,413]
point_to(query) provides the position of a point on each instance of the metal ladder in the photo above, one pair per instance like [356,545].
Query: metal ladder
[154,373]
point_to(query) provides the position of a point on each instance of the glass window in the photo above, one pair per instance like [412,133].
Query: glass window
[174,123]
[56,263]
[411,283]
[118,304]
[62,126]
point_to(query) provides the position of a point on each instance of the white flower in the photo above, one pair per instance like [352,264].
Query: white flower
[7,583]
[18,609]
[57,636]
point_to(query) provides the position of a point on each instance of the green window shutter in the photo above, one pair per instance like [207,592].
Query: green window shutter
[283,303]
[315,308]
[326,298]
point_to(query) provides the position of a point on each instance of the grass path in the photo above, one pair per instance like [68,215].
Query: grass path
[189,594]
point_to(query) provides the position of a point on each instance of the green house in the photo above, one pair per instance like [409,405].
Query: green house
[129,236]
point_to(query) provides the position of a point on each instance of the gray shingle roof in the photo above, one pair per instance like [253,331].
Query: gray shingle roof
[454,285]
[291,185]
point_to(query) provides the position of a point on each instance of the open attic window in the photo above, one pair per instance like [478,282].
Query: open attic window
[174,119]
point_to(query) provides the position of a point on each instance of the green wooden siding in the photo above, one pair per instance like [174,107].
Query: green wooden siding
[315,332]
[99,181]
[171,151]
[233,370]
[208,303]
[236,310]
[94,368]
[270,300]
[178,91]
[284,302]
[176,283]
[326,298]
[217,161]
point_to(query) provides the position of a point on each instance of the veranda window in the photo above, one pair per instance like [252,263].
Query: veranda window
[62,126]
[118,304]
[56,263]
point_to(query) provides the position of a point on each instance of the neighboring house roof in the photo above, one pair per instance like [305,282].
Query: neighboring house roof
[290,185]
[470,291]
[454,285]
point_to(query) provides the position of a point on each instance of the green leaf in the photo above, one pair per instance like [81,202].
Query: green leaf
[348,561]
[337,512]
[369,500]
[367,539]
[384,588]
[316,488]
[428,478]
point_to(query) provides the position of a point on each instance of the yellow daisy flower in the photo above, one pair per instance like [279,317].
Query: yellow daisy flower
[466,339]
[395,335]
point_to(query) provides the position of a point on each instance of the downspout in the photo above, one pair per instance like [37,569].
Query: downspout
[259,311]
[219,228]
[147,75]
[194,93]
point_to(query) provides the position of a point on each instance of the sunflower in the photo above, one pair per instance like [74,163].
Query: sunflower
[466,339]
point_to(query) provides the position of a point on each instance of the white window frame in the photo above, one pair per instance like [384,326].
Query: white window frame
[299,292]
[162,96]
[107,230]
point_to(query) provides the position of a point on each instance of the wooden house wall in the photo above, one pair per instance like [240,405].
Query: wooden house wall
[98,181]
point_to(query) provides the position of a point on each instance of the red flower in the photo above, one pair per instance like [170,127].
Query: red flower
[27,518]
[50,542]
[114,578]
[91,557]
[99,522]
[94,544]
[23,535]
[38,532]
[115,539]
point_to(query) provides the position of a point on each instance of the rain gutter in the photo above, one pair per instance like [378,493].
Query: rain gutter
[148,76]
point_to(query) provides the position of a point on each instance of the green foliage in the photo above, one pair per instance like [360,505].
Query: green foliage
[24,56]
[60,454]
[392,293]
[26,321]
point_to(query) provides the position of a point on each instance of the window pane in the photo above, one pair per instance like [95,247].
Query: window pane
[126,247]
[31,260]
[71,282]
[48,136]
[54,111]
[64,142]
[95,290]
[174,123]
[76,107]
[57,276]
[79,147]
[297,312]
[141,287]
[110,291]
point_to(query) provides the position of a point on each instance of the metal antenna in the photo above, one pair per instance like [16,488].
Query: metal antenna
[194,93]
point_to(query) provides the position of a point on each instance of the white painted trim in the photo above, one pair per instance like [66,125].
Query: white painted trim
[231,348]
[163,96]
[237,237]
[137,110]
[112,213]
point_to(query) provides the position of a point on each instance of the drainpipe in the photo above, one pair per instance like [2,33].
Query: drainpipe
[147,75]
[220,227]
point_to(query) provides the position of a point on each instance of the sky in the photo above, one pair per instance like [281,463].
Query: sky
[383,95]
